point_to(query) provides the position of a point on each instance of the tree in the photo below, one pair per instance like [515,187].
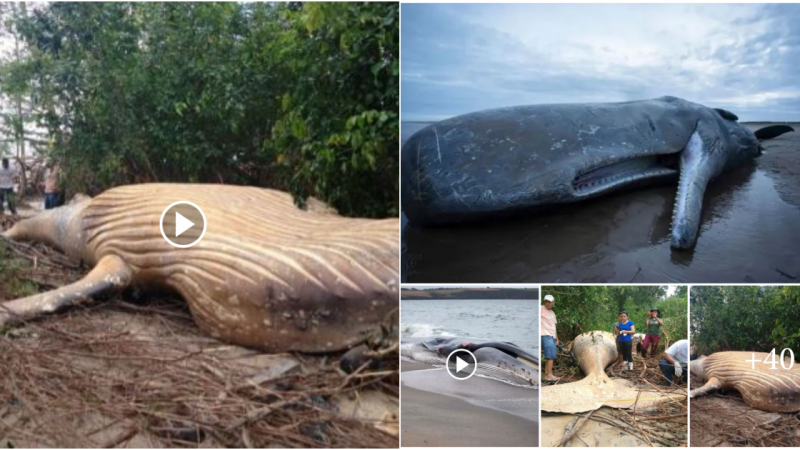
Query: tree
[587,308]
[300,97]
[749,318]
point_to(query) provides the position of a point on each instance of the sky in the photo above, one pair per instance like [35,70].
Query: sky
[459,58]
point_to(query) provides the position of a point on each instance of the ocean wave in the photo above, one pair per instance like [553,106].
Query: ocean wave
[424,330]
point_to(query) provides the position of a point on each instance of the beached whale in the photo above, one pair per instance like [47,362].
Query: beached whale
[503,359]
[493,163]
[595,351]
[761,386]
[266,274]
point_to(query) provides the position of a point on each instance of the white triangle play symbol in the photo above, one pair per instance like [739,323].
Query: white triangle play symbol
[460,364]
[181,224]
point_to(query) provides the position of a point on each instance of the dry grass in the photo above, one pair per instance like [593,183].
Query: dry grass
[143,375]
[725,421]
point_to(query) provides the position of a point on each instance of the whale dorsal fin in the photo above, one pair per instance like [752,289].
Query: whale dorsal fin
[726,114]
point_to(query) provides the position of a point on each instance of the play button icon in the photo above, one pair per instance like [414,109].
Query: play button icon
[461,364]
[183,224]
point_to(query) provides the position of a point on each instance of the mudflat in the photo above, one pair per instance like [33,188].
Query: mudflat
[748,234]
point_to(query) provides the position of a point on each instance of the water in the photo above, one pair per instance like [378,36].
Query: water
[515,321]
[748,235]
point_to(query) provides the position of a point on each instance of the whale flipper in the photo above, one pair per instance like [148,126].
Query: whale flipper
[772,131]
[110,274]
[711,385]
[509,349]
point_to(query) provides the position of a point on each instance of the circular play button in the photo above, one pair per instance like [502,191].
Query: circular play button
[183,224]
[461,364]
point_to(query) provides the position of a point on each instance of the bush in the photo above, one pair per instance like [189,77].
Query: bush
[300,97]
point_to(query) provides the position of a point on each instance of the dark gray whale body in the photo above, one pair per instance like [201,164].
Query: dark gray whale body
[497,162]
[492,356]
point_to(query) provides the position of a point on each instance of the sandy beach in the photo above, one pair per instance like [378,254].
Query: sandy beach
[438,411]
[592,434]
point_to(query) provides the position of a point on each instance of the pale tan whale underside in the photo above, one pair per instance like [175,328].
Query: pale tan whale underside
[266,274]
[761,386]
[595,351]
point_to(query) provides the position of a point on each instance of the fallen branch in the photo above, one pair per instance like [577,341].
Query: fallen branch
[573,428]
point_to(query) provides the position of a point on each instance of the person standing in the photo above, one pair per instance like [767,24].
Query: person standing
[626,331]
[549,336]
[52,194]
[653,324]
[620,362]
[7,175]
[675,360]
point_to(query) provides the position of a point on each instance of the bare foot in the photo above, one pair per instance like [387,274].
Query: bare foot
[552,378]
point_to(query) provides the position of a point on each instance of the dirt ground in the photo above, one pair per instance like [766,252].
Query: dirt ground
[723,420]
[135,371]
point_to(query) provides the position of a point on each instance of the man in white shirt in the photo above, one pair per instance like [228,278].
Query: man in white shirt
[675,361]
[7,175]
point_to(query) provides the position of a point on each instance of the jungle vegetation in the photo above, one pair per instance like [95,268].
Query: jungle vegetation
[580,309]
[748,318]
[302,97]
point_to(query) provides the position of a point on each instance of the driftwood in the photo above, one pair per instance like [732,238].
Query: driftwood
[573,428]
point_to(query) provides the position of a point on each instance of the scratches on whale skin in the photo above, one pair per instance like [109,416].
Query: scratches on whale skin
[419,170]
[458,196]
[592,130]
[438,150]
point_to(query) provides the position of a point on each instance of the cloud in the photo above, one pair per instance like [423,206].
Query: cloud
[461,58]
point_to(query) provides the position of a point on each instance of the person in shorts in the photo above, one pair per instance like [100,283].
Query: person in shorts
[549,336]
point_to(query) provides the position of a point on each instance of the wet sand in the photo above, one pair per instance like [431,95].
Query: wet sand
[748,234]
[592,434]
[431,419]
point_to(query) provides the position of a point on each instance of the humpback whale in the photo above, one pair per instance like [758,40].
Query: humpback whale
[595,351]
[498,162]
[761,386]
[267,274]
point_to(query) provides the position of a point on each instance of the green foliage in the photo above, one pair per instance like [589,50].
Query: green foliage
[349,51]
[300,97]
[580,309]
[11,285]
[755,318]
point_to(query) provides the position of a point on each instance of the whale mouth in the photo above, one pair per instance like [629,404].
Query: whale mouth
[619,174]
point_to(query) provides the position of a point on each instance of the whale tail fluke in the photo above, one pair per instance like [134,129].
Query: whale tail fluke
[772,131]
[594,392]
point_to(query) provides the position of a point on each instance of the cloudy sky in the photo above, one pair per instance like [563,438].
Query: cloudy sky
[462,58]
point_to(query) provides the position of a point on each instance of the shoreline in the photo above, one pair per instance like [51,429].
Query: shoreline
[432,419]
